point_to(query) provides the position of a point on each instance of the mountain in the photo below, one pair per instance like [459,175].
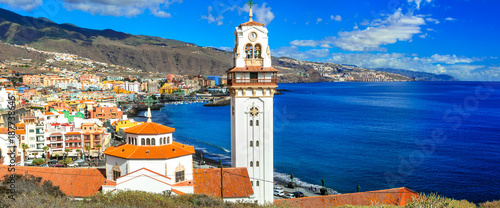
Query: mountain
[137,51]
[419,76]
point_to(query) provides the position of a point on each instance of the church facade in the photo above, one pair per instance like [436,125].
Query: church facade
[150,161]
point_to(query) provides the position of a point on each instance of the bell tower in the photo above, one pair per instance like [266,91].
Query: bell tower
[252,82]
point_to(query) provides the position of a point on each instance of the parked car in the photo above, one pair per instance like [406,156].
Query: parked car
[298,194]
[44,165]
[28,162]
[290,196]
[58,165]
[51,163]
[79,161]
[279,193]
[278,188]
[73,165]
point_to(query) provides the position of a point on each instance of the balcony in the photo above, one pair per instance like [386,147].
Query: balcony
[252,82]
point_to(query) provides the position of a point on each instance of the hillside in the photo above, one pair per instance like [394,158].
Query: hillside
[150,54]
[419,76]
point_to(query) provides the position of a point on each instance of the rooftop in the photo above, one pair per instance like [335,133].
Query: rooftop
[395,196]
[129,151]
[74,182]
[236,182]
[149,128]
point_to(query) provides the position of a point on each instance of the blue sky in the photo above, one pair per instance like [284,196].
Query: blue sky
[456,37]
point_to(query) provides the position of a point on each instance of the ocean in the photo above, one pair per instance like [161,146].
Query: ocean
[432,137]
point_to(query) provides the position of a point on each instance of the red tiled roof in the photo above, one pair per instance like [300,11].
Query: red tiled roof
[185,183]
[251,23]
[253,69]
[396,196]
[150,152]
[236,182]
[178,192]
[74,182]
[73,133]
[20,132]
[4,130]
[110,183]
[149,128]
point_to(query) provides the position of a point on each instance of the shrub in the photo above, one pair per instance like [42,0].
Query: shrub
[38,161]
[491,204]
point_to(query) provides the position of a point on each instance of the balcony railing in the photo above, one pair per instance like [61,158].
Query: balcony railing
[245,82]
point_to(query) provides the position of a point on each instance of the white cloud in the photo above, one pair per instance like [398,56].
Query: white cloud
[337,18]
[217,20]
[318,20]
[435,21]
[293,52]
[396,27]
[459,67]
[262,14]
[127,8]
[418,2]
[27,5]
[450,19]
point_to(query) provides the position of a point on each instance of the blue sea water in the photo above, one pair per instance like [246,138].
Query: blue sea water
[439,137]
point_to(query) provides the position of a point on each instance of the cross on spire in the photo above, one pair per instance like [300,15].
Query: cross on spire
[250,3]
[149,102]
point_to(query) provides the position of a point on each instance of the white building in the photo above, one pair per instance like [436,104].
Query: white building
[6,147]
[150,161]
[252,82]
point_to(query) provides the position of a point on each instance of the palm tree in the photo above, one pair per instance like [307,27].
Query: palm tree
[25,147]
[78,152]
[45,150]
[67,152]
[88,149]
[99,146]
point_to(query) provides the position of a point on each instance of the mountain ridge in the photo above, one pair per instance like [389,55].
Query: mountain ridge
[148,53]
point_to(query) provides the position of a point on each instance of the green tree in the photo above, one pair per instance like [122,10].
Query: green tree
[99,146]
[45,149]
[323,182]
[38,161]
[291,177]
[78,152]
[67,152]
[358,188]
[25,147]
[88,150]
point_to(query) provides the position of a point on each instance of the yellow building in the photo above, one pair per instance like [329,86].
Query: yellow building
[168,89]
[124,124]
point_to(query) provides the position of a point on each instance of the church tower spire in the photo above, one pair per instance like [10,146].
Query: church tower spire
[252,82]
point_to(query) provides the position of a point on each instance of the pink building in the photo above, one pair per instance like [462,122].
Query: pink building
[170,77]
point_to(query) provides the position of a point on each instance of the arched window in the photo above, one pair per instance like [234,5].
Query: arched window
[143,141]
[251,122]
[258,51]
[257,164]
[148,142]
[257,143]
[251,143]
[257,122]
[153,141]
[251,163]
[249,51]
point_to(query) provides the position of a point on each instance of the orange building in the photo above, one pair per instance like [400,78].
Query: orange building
[105,113]
[92,136]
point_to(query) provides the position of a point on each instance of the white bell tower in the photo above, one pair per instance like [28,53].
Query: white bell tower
[252,82]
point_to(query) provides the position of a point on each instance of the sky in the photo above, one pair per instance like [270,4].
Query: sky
[455,37]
